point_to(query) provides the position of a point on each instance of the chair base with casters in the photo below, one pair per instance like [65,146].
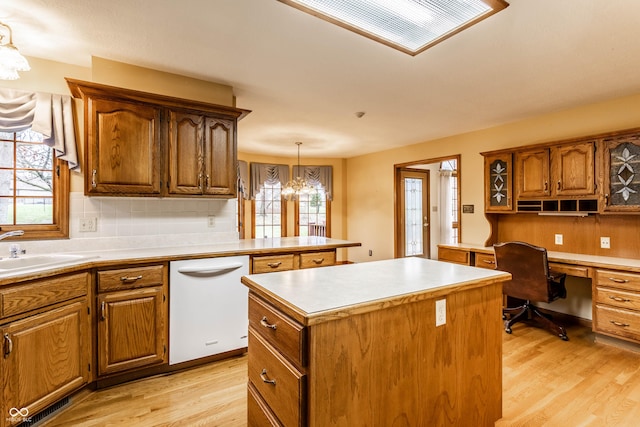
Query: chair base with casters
[528,311]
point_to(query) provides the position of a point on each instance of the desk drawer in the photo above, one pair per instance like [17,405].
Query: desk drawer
[614,321]
[617,279]
[287,335]
[454,255]
[277,381]
[617,298]
[569,270]
[270,263]
[485,261]
[317,259]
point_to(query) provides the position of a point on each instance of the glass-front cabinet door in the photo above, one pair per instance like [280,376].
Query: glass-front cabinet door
[498,182]
[622,173]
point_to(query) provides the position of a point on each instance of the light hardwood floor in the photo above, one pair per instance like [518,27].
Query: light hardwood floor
[546,382]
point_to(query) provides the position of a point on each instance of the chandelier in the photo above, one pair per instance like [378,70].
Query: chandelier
[298,185]
[11,61]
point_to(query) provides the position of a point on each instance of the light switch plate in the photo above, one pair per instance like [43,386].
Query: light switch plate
[441,312]
[558,239]
[88,224]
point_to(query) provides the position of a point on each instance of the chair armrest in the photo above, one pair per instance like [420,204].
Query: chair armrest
[557,277]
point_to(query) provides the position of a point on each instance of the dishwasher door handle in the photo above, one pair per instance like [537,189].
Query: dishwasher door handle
[209,269]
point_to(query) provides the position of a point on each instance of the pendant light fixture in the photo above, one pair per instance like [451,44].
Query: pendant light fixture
[298,185]
[11,61]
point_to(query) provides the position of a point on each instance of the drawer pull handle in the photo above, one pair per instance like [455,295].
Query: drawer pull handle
[318,260]
[615,279]
[624,325]
[264,322]
[274,264]
[619,299]
[103,311]
[488,261]
[125,279]
[8,345]
[265,379]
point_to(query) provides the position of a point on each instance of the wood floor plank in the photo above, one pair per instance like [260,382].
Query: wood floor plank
[546,382]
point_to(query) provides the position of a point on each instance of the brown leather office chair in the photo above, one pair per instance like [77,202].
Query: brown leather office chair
[531,281]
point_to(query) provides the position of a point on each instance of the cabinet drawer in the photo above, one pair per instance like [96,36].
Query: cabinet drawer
[454,255]
[485,261]
[317,259]
[129,278]
[278,382]
[41,293]
[258,412]
[614,321]
[287,335]
[616,298]
[616,279]
[269,263]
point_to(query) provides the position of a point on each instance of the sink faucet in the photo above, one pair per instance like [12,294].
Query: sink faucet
[11,234]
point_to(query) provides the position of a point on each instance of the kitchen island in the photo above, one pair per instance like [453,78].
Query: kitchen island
[408,341]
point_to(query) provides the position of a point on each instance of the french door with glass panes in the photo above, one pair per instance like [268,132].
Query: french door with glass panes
[413,213]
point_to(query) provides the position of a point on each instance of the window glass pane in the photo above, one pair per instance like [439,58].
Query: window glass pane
[312,213]
[6,210]
[34,183]
[34,156]
[413,216]
[6,182]
[6,154]
[29,136]
[268,215]
[34,210]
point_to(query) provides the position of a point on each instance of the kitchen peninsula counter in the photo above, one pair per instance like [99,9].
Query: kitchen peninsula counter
[368,351]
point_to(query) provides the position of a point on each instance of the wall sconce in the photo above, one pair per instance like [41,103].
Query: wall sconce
[11,61]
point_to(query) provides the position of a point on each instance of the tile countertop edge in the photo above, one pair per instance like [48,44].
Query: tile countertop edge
[98,259]
[271,291]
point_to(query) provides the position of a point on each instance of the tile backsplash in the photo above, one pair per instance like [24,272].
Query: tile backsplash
[141,223]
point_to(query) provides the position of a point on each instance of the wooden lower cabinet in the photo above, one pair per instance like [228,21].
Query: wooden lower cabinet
[47,355]
[616,304]
[292,261]
[132,322]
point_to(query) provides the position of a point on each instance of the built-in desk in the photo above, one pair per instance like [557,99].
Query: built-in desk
[615,284]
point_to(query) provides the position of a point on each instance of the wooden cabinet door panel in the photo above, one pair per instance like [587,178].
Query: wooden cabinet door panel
[533,173]
[574,169]
[131,329]
[123,150]
[185,153]
[621,170]
[498,183]
[219,157]
[48,357]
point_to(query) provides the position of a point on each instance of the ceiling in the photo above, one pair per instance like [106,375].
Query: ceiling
[304,78]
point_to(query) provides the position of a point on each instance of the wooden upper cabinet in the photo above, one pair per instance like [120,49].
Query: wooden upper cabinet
[621,167]
[220,174]
[498,182]
[573,169]
[123,151]
[532,168]
[142,144]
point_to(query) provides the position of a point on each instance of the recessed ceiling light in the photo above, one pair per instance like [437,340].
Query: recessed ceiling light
[407,25]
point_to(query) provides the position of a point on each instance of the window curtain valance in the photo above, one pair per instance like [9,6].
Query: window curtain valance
[263,173]
[315,175]
[45,113]
[243,179]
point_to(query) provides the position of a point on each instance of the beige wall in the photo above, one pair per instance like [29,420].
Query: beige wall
[370,185]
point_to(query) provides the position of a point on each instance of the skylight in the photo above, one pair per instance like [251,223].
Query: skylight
[407,25]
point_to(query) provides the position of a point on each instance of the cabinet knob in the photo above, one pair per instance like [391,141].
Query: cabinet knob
[265,379]
[8,345]
[264,322]
[616,280]
[274,264]
[559,186]
[318,260]
[103,310]
[623,325]
[128,279]
[94,184]
[619,299]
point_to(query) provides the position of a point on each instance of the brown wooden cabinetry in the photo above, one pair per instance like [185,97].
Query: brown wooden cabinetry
[532,173]
[616,304]
[46,344]
[498,182]
[621,165]
[132,318]
[142,144]
[294,261]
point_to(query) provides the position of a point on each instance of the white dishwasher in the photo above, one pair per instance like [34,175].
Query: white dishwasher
[208,307]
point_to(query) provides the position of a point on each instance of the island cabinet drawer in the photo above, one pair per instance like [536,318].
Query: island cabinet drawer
[317,259]
[454,255]
[258,412]
[270,263]
[277,381]
[618,322]
[284,333]
[485,261]
[617,298]
[29,296]
[130,278]
[617,279]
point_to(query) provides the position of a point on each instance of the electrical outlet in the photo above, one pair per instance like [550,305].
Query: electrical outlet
[605,242]
[558,239]
[441,312]
[211,221]
[88,224]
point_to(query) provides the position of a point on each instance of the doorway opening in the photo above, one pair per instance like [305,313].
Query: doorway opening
[427,206]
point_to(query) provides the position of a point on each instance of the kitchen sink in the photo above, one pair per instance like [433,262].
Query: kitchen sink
[36,262]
